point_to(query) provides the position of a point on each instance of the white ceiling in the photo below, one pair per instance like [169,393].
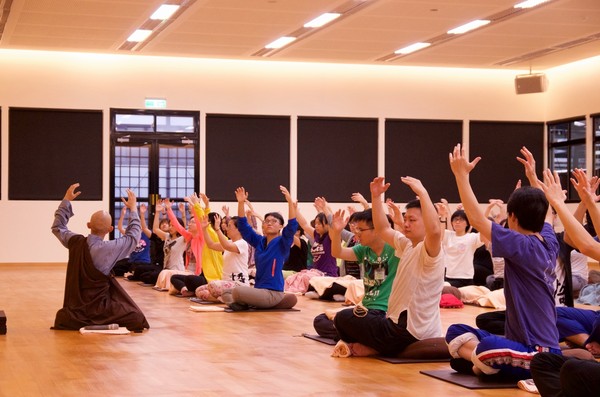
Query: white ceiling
[237,29]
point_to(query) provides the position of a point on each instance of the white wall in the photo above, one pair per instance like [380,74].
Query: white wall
[574,89]
[89,81]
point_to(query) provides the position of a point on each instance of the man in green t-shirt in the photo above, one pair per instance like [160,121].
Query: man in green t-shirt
[378,268]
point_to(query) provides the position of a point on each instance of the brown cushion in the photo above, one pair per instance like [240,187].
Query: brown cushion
[288,301]
[426,349]
[448,289]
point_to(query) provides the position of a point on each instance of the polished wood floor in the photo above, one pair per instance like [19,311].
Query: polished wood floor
[190,354]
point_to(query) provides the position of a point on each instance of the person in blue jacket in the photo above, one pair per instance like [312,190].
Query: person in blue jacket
[271,251]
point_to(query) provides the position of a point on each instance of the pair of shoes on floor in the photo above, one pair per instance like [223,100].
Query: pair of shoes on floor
[341,350]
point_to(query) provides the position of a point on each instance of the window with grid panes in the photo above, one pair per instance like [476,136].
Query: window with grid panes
[566,151]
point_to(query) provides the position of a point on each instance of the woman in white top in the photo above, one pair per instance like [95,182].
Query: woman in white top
[459,247]
[235,258]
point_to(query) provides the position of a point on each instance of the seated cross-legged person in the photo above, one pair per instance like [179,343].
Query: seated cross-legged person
[529,247]
[92,295]
[235,258]
[271,251]
[378,266]
[413,312]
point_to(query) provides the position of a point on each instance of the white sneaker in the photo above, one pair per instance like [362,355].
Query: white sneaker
[312,295]
[528,385]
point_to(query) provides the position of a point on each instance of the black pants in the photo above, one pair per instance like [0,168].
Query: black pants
[492,322]
[374,330]
[459,282]
[190,282]
[123,266]
[335,289]
[325,328]
[560,376]
[481,274]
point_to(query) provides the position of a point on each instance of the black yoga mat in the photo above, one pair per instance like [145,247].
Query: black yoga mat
[472,381]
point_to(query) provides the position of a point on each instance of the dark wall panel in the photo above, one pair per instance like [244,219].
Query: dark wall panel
[419,148]
[49,149]
[336,157]
[498,144]
[248,151]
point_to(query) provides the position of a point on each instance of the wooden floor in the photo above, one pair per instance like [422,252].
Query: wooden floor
[190,354]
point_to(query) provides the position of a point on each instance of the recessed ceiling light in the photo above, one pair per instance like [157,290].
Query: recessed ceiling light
[280,42]
[469,26]
[322,19]
[139,35]
[412,48]
[164,11]
[529,3]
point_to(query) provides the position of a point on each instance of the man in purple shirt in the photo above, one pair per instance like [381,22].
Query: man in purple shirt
[529,247]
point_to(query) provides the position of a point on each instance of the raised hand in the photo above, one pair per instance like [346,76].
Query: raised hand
[285,193]
[71,194]
[320,204]
[205,200]
[131,201]
[443,208]
[396,214]
[529,163]
[415,185]
[552,189]
[181,207]
[583,186]
[217,221]
[338,221]
[459,163]
[378,186]
[225,210]
[595,183]
[143,209]
[193,199]
[241,195]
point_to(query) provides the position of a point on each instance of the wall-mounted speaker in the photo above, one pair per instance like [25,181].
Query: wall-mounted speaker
[531,83]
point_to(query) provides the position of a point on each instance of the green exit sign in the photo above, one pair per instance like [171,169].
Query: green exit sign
[155,103]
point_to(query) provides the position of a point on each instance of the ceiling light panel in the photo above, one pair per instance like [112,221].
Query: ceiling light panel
[139,35]
[412,48]
[322,20]
[467,27]
[281,42]
[164,11]
[530,3]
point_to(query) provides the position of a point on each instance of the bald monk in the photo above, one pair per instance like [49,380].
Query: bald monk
[92,295]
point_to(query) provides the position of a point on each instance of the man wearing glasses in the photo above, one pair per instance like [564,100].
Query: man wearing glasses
[378,267]
[413,309]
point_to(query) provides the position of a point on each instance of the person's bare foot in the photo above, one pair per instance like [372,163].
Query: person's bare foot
[185,292]
[594,348]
